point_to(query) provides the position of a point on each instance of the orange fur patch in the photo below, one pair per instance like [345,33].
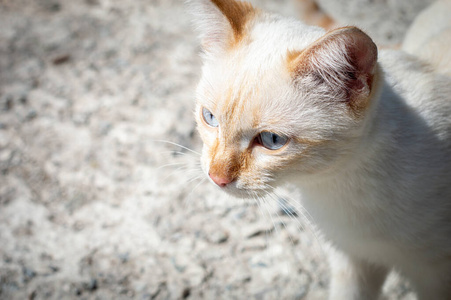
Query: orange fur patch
[237,13]
[293,61]
[228,163]
[232,105]
[224,164]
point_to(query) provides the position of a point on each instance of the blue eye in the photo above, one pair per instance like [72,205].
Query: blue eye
[271,140]
[209,118]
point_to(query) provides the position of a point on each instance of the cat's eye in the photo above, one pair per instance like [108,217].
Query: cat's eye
[209,118]
[272,140]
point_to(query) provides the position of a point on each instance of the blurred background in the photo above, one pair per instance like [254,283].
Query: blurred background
[97,200]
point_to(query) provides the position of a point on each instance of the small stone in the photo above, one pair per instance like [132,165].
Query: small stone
[28,273]
[54,269]
[92,285]
[218,237]
[54,6]
[179,264]
[104,128]
[186,292]
[78,226]
[287,209]
[124,257]
[92,2]
[240,275]
[7,102]
[301,293]
[32,295]
[257,229]
[31,114]
[23,98]
[257,244]
[61,59]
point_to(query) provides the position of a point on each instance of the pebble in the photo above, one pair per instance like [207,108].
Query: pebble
[179,263]
[124,257]
[32,113]
[186,292]
[61,59]
[92,285]
[256,244]
[256,229]
[28,273]
[218,237]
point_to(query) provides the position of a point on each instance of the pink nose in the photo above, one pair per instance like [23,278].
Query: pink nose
[220,181]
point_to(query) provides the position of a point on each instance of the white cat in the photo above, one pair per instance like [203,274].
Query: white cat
[364,135]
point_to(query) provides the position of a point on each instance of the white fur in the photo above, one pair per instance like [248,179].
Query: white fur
[212,26]
[429,37]
[380,188]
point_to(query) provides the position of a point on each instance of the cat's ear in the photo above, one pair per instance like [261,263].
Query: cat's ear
[345,60]
[221,23]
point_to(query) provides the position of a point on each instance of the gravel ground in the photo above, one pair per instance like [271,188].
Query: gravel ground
[93,205]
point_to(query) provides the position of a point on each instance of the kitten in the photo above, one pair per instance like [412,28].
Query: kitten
[364,135]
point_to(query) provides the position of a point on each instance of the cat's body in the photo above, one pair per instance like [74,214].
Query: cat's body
[366,140]
[391,204]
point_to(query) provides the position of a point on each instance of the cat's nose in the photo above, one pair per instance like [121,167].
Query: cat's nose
[219,180]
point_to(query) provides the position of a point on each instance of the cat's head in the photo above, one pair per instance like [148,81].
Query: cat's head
[278,98]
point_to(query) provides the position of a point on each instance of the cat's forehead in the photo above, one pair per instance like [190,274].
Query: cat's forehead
[246,87]
[260,59]
[245,104]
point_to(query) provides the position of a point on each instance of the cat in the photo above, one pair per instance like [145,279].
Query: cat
[365,135]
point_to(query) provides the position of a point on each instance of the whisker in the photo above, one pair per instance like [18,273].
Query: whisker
[305,216]
[174,152]
[292,202]
[287,211]
[257,200]
[194,178]
[180,169]
[283,223]
[173,164]
[195,187]
[178,145]
[297,206]
[270,215]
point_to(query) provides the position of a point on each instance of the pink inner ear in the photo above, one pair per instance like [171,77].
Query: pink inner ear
[341,50]
[358,52]
[362,55]
[362,51]
[345,59]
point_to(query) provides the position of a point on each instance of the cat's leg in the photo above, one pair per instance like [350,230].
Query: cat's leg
[354,279]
